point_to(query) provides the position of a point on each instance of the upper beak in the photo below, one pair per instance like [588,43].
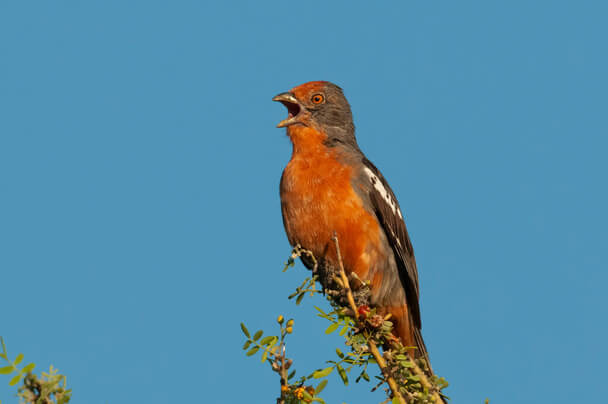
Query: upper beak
[292,105]
[285,97]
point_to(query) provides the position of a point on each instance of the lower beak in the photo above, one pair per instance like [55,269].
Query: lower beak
[286,122]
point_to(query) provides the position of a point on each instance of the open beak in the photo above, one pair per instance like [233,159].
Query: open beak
[293,108]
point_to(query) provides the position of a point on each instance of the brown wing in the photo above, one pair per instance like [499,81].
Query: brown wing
[390,217]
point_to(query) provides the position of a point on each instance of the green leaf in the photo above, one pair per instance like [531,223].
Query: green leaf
[365,376]
[343,330]
[342,374]
[267,340]
[7,370]
[246,345]
[245,330]
[321,311]
[14,380]
[257,335]
[28,368]
[306,395]
[395,400]
[333,327]
[300,297]
[253,350]
[18,359]
[317,374]
[321,386]
[264,356]
[292,374]
[339,353]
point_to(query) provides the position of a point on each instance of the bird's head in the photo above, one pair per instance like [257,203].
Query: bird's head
[318,105]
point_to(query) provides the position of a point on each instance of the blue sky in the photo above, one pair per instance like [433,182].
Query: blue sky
[139,170]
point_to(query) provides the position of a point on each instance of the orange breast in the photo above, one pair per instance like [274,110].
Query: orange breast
[317,200]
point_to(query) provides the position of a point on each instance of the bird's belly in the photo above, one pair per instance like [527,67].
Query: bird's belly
[315,207]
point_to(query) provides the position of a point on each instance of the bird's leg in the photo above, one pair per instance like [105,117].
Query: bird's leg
[360,290]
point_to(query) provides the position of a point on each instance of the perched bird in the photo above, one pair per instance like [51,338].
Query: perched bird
[329,187]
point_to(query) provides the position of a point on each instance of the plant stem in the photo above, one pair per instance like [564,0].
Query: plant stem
[372,345]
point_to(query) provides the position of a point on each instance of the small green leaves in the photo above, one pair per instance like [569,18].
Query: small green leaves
[7,370]
[18,359]
[342,374]
[320,387]
[360,333]
[15,380]
[306,395]
[404,361]
[51,386]
[253,350]
[28,368]
[267,339]
[245,330]
[12,368]
[308,286]
[363,375]
[440,381]
[333,327]
[317,374]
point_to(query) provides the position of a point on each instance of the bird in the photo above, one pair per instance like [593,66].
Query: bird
[330,189]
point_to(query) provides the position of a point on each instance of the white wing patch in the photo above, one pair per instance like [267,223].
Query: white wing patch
[383,191]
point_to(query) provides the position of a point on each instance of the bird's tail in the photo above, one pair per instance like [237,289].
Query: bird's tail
[406,330]
[410,335]
[421,351]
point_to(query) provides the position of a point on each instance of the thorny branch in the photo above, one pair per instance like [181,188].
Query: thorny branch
[373,348]
[365,331]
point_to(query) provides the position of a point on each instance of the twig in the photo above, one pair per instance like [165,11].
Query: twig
[283,373]
[425,382]
[373,348]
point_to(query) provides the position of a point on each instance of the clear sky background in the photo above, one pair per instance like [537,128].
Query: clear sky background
[139,171]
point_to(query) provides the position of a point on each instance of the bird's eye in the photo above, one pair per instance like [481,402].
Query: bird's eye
[317,99]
